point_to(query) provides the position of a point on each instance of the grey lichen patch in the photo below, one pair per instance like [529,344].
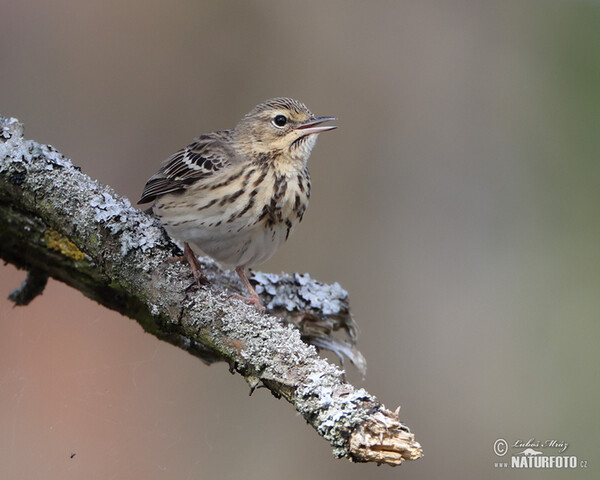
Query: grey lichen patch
[147,235]
[263,339]
[118,216]
[110,211]
[29,161]
[51,156]
[10,128]
[318,310]
[300,292]
[283,342]
[11,133]
[336,408]
[264,349]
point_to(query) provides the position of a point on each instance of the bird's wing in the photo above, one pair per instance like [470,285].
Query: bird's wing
[203,157]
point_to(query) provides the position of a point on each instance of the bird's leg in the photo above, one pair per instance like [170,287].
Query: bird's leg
[253,299]
[195,266]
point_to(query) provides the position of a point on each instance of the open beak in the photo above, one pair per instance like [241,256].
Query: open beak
[314,125]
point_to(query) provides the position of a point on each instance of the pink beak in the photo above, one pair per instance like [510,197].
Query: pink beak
[314,126]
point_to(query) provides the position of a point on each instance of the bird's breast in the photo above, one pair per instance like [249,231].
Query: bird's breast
[285,196]
[242,218]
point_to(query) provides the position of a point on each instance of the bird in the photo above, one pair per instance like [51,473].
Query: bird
[238,194]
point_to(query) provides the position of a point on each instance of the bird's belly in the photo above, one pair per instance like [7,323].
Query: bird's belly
[242,233]
[246,248]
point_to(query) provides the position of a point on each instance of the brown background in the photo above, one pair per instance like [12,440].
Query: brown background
[458,203]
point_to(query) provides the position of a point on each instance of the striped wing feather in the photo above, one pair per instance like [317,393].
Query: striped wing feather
[203,157]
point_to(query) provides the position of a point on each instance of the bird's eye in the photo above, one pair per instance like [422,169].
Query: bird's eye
[280,121]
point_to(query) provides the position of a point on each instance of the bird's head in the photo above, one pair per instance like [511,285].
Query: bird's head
[280,127]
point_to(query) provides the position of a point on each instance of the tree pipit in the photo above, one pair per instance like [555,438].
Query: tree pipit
[238,194]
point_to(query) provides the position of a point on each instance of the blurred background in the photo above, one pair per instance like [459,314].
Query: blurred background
[458,203]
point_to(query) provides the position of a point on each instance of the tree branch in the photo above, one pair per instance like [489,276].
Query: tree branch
[55,221]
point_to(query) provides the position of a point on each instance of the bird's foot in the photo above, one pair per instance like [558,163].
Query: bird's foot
[196,267]
[251,300]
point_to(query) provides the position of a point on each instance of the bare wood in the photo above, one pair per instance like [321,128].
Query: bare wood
[55,221]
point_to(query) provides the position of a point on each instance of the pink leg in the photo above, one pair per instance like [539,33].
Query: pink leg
[195,266]
[253,299]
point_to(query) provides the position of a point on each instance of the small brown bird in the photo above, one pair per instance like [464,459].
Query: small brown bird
[238,194]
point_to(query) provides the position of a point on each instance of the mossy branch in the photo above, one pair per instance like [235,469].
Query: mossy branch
[55,221]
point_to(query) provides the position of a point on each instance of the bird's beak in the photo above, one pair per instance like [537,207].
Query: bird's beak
[314,126]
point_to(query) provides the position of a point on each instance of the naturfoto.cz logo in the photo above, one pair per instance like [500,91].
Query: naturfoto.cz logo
[531,454]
